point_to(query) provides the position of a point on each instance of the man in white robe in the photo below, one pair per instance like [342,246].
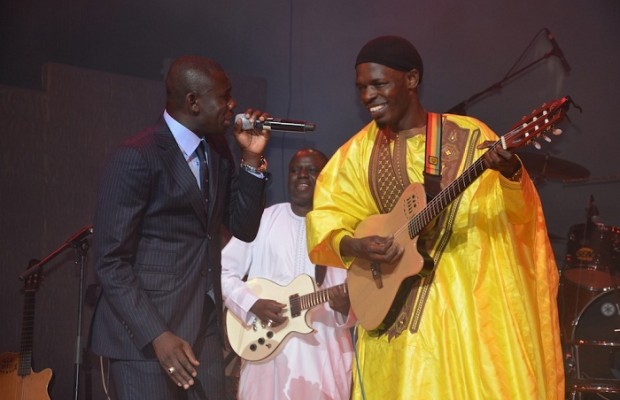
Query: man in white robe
[306,366]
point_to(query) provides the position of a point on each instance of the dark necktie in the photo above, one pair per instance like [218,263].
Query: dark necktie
[204,170]
[201,152]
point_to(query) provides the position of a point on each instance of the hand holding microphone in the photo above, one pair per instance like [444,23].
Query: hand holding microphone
[275,124]
[252,141]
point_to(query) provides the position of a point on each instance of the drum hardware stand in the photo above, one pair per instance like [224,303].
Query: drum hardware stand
[580,384]
[79,241]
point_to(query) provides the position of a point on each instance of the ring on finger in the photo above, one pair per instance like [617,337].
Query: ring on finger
[171,370]
[269,323]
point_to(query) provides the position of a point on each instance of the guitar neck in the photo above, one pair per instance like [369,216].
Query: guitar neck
[446,196]
[311,300]
[25,351]
[522,133]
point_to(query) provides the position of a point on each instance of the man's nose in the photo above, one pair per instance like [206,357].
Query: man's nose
[367,95]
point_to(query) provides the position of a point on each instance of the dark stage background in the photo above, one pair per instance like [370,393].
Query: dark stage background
[78,76]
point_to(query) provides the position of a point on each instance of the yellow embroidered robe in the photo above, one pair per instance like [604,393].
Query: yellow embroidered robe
[489,328]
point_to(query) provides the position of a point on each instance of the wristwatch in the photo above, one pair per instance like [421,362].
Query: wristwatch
[262,168]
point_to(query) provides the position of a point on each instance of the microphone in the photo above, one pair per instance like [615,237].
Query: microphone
[557,50]
[276,124]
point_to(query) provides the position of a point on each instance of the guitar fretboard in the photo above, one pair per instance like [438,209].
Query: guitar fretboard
[310,300]
[25,351]
[445,197]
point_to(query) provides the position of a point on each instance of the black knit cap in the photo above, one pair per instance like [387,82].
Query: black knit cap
[392,51]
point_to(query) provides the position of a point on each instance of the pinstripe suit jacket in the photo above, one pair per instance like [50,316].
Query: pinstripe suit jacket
[154,240]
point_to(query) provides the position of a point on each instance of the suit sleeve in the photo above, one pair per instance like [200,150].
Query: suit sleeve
[247,205]
[246,195]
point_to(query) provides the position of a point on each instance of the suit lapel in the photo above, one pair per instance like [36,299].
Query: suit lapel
[179,170]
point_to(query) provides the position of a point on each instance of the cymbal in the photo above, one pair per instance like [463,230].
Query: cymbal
[553,168]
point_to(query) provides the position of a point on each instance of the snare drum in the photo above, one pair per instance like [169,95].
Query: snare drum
[593,256]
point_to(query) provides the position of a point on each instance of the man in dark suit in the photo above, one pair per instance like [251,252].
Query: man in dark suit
[156,243]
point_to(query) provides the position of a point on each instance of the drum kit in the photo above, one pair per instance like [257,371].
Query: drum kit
[589,309]
[589,293]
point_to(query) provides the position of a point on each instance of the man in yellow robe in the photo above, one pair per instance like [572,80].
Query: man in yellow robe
[484,323]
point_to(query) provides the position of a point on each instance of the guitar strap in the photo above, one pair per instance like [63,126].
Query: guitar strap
[432,156]
[388,179]
[319,274]
[459,143]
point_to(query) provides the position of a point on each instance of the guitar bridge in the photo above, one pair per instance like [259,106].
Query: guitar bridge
[375,269]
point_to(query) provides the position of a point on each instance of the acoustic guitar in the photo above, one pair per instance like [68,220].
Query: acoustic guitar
[373,286]
[17,379]
[258,341]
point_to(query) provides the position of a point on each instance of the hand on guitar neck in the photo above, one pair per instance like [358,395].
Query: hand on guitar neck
[339,299]
[500,160]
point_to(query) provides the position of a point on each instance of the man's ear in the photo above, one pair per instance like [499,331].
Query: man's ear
[191,101]
[413,78]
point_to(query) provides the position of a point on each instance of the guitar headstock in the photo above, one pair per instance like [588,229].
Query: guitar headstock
[540,122]
[33,281]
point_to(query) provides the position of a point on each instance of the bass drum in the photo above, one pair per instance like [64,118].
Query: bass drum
[572,300]
[596,340]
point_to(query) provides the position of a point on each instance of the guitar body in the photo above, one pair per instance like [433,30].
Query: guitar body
[258,342]
[32,386]
[372,297]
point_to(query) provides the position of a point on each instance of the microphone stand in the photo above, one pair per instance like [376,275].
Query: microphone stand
[70,242]
[461,108]
[82,248]
[79,241]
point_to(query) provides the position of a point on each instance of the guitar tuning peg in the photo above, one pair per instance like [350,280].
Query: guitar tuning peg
[536,145]
[557,132]
[546,138]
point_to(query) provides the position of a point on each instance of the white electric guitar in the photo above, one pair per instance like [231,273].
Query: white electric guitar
[258,341]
